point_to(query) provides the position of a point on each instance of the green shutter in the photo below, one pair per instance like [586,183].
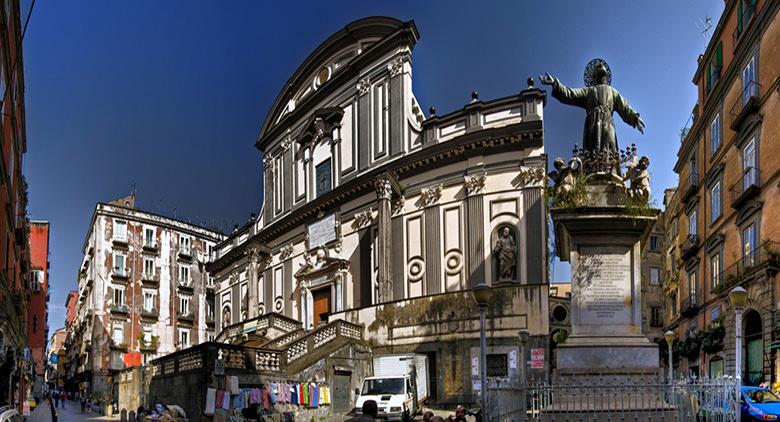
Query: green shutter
[708,80]
[739,16]
[719,55]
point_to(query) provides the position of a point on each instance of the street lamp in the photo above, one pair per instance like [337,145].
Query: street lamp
[482,294]
[523,334]
[738,299]
[669,337]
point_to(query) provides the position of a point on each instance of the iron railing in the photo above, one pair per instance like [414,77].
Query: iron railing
[691,304]
[690,184]
[691,400]
[746,186]
[747,102]
[767,253]
[690,246]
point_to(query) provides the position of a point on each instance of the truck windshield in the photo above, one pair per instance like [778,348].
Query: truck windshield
[378,387]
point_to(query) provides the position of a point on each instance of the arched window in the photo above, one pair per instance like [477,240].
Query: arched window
[504,253]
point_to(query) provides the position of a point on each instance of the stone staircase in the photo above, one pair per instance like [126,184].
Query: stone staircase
[266,328]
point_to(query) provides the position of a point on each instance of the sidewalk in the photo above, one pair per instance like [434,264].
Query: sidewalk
[42,413]
[72,413]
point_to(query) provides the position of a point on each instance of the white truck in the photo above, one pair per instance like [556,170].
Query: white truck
[399,386]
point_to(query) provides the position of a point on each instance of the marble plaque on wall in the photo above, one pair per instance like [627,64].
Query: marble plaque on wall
[603,286]
[322,231]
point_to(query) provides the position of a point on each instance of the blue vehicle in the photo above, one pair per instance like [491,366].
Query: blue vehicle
[759,404]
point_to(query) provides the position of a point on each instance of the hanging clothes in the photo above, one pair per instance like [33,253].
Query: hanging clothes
[266,398]
[233,385]
[211,394]
[294,394]
[315,395]
[255,396]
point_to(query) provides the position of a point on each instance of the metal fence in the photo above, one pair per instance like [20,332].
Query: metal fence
[710,400]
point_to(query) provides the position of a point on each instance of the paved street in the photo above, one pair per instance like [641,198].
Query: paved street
[70,413]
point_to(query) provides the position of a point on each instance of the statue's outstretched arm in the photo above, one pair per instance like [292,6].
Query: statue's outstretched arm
[572,96]
[628,114]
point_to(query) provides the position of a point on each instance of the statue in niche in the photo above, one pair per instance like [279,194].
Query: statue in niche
[599,100]
[225,317]
[505,254]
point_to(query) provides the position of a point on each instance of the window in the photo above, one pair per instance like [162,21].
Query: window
[655,243]
[692,229]
[116,360]
[497,365]
[673,304]
[714,67]
[715,313]
[148,267]
[184,245]
[210,251]
[715,201]
[149,240]
[209,310]
[37,280]
[184,338]
[278,184]
[119,297]
[749,86]
[146,358]
[149,300]
[120,230]
[210,281]
[184,275]
[210,336]
[656,316]
[749,245]
[655,276]
[715,133]
[184,305]
[749,165]
[323,177]
[716,266]
[119,265]
[118,332]
[693,285]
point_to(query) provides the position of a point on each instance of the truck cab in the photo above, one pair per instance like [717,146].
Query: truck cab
[395,396]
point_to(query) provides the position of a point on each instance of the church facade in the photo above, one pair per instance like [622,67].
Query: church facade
[380,215]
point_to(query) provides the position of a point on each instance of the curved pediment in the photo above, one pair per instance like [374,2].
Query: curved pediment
[328,61]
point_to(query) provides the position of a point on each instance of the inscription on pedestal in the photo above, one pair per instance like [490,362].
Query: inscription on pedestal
[603,286]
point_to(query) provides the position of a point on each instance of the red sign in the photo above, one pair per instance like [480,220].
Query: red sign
[537,358]
[132,359]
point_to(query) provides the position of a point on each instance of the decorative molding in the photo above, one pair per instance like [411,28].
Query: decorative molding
[396,66]
[416,269]
[384,189]
[527,176]
[475,184]
[268,164]
[286,143]
[363,86]
[319,128]
[363,219]
[453,262]
[431,195]
[286,251]
[397,205]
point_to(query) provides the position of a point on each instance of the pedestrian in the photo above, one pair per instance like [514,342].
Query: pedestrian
[83,402]
[63,397]
[56,397]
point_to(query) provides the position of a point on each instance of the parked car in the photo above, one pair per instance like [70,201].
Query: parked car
[759,404]
[10,414]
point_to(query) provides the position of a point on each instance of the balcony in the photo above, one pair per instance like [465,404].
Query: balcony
[150,247]
[745,105]
[690,305]
[119,310]
[121,274]
[690,247]
[188,317]
[210,321]
[120,241]
[118,346]
[148,346]
[746,188]
[149,314]
[765,257]
[150,279]
[185,252]
[185,285]
[690,185]
[748,13]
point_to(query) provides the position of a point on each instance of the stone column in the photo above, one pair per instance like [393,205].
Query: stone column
[474,185]
[383,241]
[254,262]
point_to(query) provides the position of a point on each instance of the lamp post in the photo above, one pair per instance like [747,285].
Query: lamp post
[669,337]
[523,335]
[482,294]
[738,299]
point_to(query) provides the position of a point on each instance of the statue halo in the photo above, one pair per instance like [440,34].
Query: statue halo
[590,71]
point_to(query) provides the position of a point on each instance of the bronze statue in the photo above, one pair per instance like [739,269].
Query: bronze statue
[599,100]
[638,177]
[505,249]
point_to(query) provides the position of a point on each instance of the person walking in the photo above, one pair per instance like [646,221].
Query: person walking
[55,395]
[83,402]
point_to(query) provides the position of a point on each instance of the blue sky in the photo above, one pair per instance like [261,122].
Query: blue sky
[169,96]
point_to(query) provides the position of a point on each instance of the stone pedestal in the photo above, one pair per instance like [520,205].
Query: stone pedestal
[602,241]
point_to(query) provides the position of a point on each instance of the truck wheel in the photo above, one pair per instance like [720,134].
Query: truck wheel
[405,417]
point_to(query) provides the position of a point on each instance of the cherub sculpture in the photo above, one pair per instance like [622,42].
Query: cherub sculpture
[638,177]
[565,176]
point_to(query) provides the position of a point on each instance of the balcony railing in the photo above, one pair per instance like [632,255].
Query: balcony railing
[747,187]
[690,247]
[120,272]
[149,313]
[120,309]
[690,305]
[748,12]
[150,246]
[746,104]
[150,278]
[185,251]
[690,185]
[766,255]
[150,345]
[187,317]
